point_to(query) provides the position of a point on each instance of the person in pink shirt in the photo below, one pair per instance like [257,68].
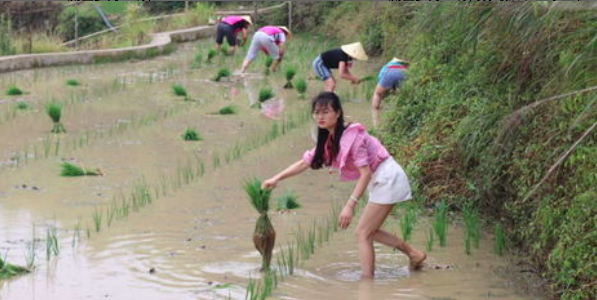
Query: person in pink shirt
[361,157]
[271,40]
[230,27]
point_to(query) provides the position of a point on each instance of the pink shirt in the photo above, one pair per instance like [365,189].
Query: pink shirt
[357,149]
[231,20]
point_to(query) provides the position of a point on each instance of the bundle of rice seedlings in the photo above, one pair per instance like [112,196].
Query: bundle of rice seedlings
[72,82]
[227,110]
[191,134]
[71,170]
[288,201]
[290,72]
[211,54]
[7,270]
[179,90]
[13,90]
[301,87]
[264,236]
[225,49]
[54,111]
[224,72]
[265,94]
[268,64]
[22,105]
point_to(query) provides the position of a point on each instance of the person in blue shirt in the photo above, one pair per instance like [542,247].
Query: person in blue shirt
[390,77]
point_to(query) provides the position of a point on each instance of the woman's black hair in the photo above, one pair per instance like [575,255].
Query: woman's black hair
[325,99]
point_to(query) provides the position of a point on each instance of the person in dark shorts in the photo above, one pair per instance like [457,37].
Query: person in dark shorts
[389,78]
[341,59]
[230,27]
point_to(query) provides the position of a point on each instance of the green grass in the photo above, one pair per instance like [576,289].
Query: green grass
[13,90]
[114,7]
[190,134]
[227,110]
[179,90]
[72,82]
[287,201]
[222,73]
[71,170]
[265,94]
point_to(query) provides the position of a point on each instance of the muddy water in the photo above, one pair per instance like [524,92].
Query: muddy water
[192,243]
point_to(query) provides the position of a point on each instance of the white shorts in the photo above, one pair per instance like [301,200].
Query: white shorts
[389,184]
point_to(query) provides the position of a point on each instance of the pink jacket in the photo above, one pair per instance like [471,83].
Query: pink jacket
[357,149]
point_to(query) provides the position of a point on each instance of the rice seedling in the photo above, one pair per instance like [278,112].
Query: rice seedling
[290,73]
[197,59]
[264,235]
[287,201]
[210,55]
[97,217]
[407,223]
[54,111]
[429,240]
[440,221]
[500,239]
[265,94]
[301,87]
[179,91]
[225,49]
[31,254]
[190,134]
[472,230]
[52,246]
[71,170]
[72,82]
[268,64]
[22,105]
[13,90]
[7,270]
[76,233]
[227,110]
[222,73]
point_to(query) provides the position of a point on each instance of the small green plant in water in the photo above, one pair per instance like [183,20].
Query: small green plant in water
[13,90]
[407,222]
[72,82]
[287,201]
[191,134]
[440,221]
[268,63]
[225,49]
[500,239]
[22,105]
[472,230]
[264,236]
[227,110]
[429,240]
[265,94]
[54,111]
[7,270]
[290,73]
[210,55]
[222,73]
[71,170]
[301,87]
[179,90]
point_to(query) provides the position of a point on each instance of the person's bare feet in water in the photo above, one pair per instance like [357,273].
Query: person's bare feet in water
[416,261]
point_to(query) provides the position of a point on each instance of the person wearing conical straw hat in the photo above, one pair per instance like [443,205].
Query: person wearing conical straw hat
[389,78]
[272,41]
[341,59]
[230,27]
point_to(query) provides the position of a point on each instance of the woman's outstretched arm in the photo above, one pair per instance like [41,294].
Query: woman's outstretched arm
[294,169]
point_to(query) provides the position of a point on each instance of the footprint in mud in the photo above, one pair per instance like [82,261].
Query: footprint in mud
[24,186]
[434,266]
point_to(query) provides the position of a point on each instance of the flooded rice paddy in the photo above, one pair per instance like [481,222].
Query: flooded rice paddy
[191,238]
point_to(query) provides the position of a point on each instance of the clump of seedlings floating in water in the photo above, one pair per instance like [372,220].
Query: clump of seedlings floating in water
[222,73]
[287,201]
[7,270]
[13,90]
[264,236]
[210,55]
[54,111]
[268,63]
[301,87]
[180,91]
[22,105]
[225,49]
[72,82]
[440,221]
[265,94]
[290,73]
[72,170]
[227,110]
[191,134]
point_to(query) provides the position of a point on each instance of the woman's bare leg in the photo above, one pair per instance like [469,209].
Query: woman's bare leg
[371,220]
[329,85]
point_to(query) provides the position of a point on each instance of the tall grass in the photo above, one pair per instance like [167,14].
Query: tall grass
[440,221]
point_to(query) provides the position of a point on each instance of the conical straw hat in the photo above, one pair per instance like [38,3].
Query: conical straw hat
[399,60]
[247,18]
[285,29]
[355,50]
